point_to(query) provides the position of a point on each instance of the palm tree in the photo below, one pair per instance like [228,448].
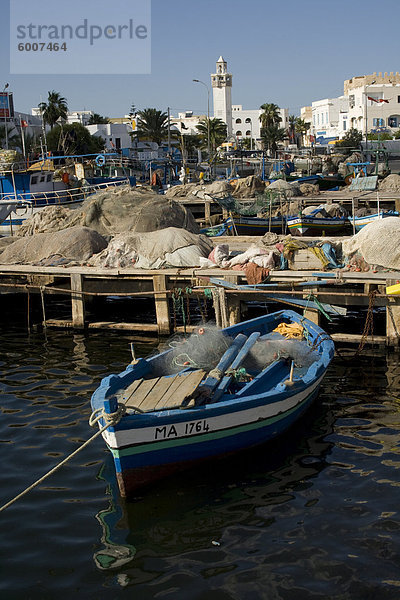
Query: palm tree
[270,116]
[96,119]
[301,128]
[54,108]
[153,124]
[218,131]
[14,141]
[271,135]
[292,128]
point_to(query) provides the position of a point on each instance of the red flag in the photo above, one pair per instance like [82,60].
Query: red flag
[24,123]
[372,99]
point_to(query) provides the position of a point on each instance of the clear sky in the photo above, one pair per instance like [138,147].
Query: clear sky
[289,53]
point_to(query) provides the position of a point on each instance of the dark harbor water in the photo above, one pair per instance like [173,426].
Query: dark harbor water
[313,516]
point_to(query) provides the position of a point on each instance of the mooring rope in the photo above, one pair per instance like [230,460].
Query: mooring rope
[110,419]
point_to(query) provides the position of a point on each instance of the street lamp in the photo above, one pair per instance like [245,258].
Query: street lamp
[208,114]
[5,114]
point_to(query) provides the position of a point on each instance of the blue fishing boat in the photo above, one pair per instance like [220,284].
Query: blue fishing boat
[243,225]
[216,393]
[24,191]
[359,222]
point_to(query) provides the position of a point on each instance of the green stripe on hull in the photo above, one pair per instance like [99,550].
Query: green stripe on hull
[155,446]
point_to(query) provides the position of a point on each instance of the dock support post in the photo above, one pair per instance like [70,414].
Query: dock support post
[220,307]
[77,301]
[162,305]
[392,323]
[234,304]
[207,212]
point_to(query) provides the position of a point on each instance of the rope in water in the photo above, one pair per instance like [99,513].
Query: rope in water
[110,419]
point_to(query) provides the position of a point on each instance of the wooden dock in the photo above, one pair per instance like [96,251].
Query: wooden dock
[348,289]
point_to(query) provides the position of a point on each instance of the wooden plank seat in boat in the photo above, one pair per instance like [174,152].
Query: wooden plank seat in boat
[161,393]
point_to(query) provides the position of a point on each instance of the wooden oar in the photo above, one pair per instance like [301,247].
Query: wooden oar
[215,376]
[236,364]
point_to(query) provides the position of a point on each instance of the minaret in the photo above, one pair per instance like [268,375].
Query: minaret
[221,82]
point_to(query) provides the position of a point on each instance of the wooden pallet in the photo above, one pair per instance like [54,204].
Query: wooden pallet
[161,393]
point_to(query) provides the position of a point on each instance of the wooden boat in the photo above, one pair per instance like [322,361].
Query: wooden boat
[309,225]
[359,222]
[241,225]
[175,417]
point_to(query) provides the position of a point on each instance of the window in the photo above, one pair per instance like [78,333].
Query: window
[352,101]
[238,120]
[248,120]
[42,178]
[344,125]
[398,98]
[239,133]
[34,180]
[394,121]
[48,177]
[248,132]
[378,122]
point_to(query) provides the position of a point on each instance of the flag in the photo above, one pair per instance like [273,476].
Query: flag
[380,100]
[24,123]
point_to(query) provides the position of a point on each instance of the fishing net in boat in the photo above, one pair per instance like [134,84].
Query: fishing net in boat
[273,346]
[202,349]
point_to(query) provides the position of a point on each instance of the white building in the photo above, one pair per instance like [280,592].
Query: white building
[370,103]
[115,135]
[246,122]
[329,118]
[374,102]
[221,82]
[186,122]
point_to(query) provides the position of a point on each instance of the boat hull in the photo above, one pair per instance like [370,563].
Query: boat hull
[255,225]
[314,225]
[359,222]
[138,465]
[149,445]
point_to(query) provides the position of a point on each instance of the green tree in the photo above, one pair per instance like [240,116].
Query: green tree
[73,138]
[96,119]
[301,128]
[218,131]
[352,139]
[55,107]
[153,125]
[292,128]
[380,136]
[271,135]
[270,115]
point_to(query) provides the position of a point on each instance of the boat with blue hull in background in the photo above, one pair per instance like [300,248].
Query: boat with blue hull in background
[56,180]
[213,394]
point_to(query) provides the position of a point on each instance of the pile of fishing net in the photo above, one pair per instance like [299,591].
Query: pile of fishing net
[204,348]
[247,187]
[376,245]
[216,188]
[116,210]
[8,158]
[391,183]
[171,247]
[72,245]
